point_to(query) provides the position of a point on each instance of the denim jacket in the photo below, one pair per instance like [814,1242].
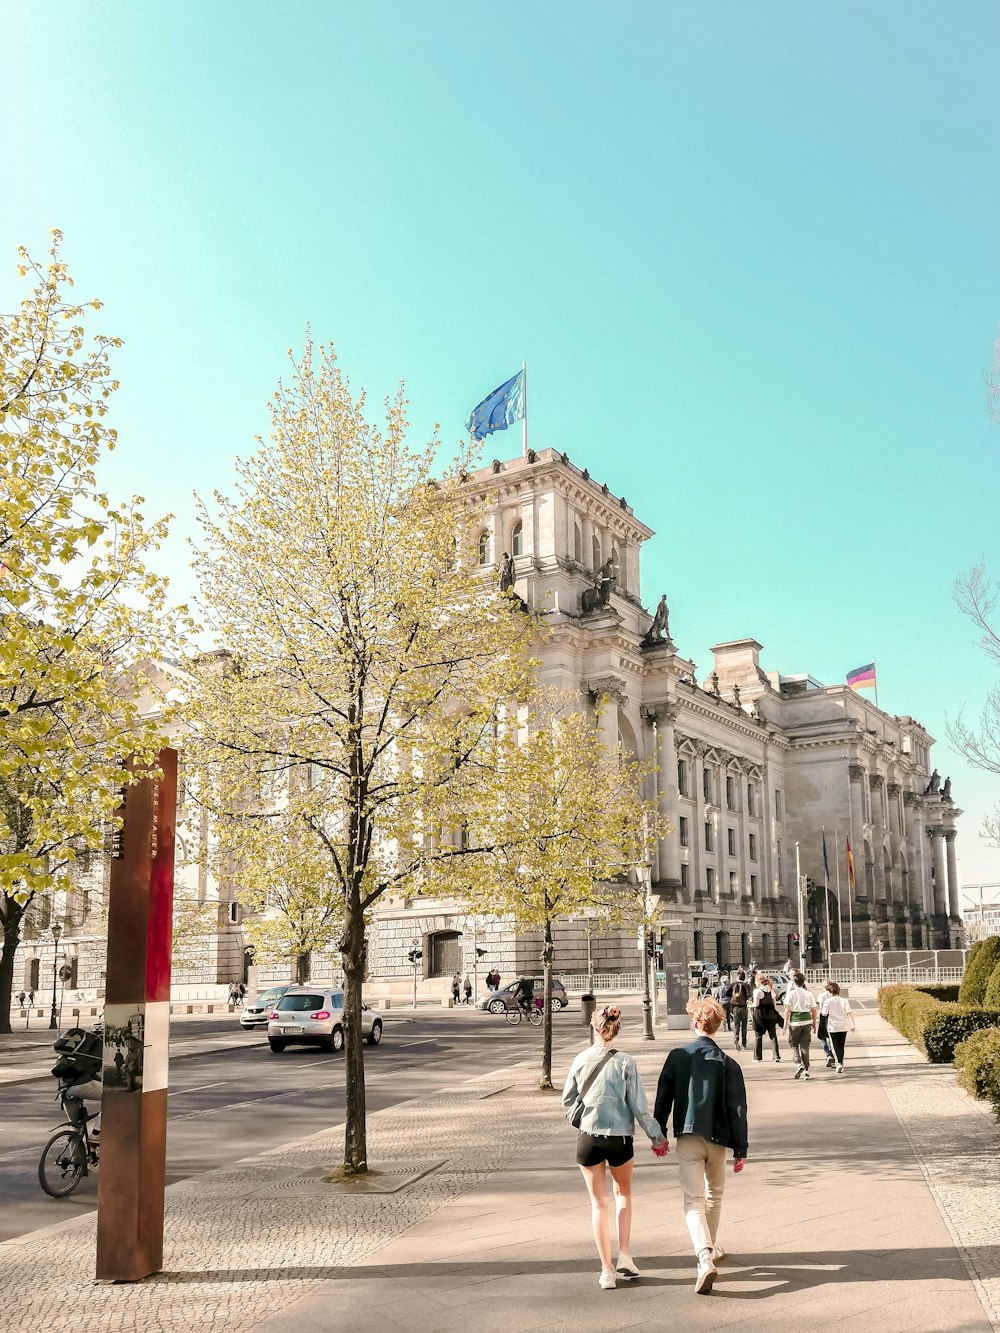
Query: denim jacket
[615,1099]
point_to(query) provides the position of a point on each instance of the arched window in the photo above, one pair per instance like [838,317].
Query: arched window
[597,552]
[517,539]
[619,566]
[577,544]
[484,548]
[722,948]
[765,948]
[745,949]
[699,946]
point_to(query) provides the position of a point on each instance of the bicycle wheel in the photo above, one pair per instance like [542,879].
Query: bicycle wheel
[63,1163]
[513,1017]
[535,1017]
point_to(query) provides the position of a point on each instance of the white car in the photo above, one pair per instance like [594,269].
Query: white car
[257,1012]
[314,1016]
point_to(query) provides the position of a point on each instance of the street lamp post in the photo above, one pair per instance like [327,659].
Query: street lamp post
[647,939]
[56,932]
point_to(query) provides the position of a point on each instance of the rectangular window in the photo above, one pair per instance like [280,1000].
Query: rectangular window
[683,831]
[709,880]
[751,809]
[684,876]
[777,804]
[733,886]
[708,837]
[730,794]
[682,777]
[781,878]
[753,887]
[706,784]
[753,847]
[732,842]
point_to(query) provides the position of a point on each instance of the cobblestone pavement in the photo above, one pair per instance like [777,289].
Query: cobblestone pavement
[956,1141]
[246,1242]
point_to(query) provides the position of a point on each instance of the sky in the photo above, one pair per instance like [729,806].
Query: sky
[749,254]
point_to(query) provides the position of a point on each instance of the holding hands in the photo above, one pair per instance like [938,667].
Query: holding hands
[660,1146]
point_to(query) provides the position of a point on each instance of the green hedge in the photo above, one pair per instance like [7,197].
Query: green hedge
[934,1027]
[977,1062]
[983,958]
[941,991]
[992,997]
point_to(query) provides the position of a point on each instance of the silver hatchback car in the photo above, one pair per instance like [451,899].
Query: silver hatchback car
[314,1016]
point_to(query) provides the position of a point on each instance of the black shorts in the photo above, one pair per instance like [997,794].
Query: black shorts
[593,1149]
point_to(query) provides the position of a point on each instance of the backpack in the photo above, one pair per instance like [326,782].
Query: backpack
[741,993]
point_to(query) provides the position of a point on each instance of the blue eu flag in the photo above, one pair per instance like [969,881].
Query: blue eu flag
[496,412]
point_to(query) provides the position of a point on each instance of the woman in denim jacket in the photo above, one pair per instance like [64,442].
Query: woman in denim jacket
[614,1101]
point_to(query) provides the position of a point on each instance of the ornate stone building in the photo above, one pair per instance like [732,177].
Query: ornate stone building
[750,762]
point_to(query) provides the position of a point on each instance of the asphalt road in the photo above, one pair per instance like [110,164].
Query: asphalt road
[229,1104]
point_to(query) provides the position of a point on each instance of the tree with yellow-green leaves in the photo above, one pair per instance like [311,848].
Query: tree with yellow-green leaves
[363,656]
[79,608]
[563,829]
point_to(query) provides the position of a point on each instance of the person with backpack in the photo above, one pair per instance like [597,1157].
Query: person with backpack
[739,1002]
[725,997]
[467,988]
[801,1013]
[765,1017]
[704,1089]
[604,1097]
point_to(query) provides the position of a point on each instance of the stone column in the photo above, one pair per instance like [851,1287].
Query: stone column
[668,851]
[878,835]
[862,905]
[936,835]
[698,853]
[587,529]
[954,904]
[608,695]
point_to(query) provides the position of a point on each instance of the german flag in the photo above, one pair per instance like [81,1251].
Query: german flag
[850,866]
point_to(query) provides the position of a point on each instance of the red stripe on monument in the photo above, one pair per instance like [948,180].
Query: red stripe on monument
[159,919]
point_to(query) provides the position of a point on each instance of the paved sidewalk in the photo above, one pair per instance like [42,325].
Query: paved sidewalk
[834,1224]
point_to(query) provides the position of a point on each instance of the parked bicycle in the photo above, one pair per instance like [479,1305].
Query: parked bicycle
[72,1151]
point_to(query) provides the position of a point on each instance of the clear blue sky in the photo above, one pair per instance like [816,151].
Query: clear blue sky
[749,252]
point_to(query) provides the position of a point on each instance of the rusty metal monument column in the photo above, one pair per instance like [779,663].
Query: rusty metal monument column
[136,1025]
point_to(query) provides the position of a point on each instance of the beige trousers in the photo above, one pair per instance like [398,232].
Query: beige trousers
[703,1178]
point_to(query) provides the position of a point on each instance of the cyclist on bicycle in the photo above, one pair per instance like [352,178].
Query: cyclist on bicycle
[525,994]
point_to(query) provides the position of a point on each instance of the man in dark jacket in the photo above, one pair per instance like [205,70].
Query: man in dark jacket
[703,1087]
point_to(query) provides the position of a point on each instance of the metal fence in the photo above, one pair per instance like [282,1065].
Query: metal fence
[602,981]
[615,982]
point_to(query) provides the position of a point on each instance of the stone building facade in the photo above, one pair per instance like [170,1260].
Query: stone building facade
[751,764]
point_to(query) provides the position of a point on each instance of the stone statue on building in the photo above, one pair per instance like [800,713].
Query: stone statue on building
[736,698]
[946,790]
[933,784]
[715,684]
[597,597]
[505,575]
[659,630]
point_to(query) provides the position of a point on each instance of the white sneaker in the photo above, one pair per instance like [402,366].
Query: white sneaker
[799,1071]
[607,1279]
[840,1069]
[707,1273]
[718,1254]
[626,1266]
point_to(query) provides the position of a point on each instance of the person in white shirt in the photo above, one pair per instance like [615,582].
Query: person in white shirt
[837,1009]
[801,1014]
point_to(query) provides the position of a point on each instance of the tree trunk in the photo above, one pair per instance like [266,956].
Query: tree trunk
[548,953]
[13,913]
[353,956]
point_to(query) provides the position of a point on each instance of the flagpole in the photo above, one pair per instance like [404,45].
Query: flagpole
[826,899]
[851,888]
[524,417]
[840,908]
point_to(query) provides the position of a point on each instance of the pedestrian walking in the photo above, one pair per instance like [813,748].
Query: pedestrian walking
[20,1000]
[467,987]
[704,1089]
[496,978]
[764,1012]
[604,1098]
[241,994]
[725,998]
[31,998]
[800,1019]
[739,1003]
[836,1008]
[456,988]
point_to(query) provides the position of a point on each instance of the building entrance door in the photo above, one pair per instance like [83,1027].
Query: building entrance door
[446,953]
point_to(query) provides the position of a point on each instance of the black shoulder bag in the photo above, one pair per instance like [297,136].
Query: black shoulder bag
[575,1113]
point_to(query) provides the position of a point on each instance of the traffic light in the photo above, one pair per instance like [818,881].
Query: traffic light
[414,954]
[650,944]
[480,953]
[795,937]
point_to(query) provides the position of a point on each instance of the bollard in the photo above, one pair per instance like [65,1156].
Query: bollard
[587,1006]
